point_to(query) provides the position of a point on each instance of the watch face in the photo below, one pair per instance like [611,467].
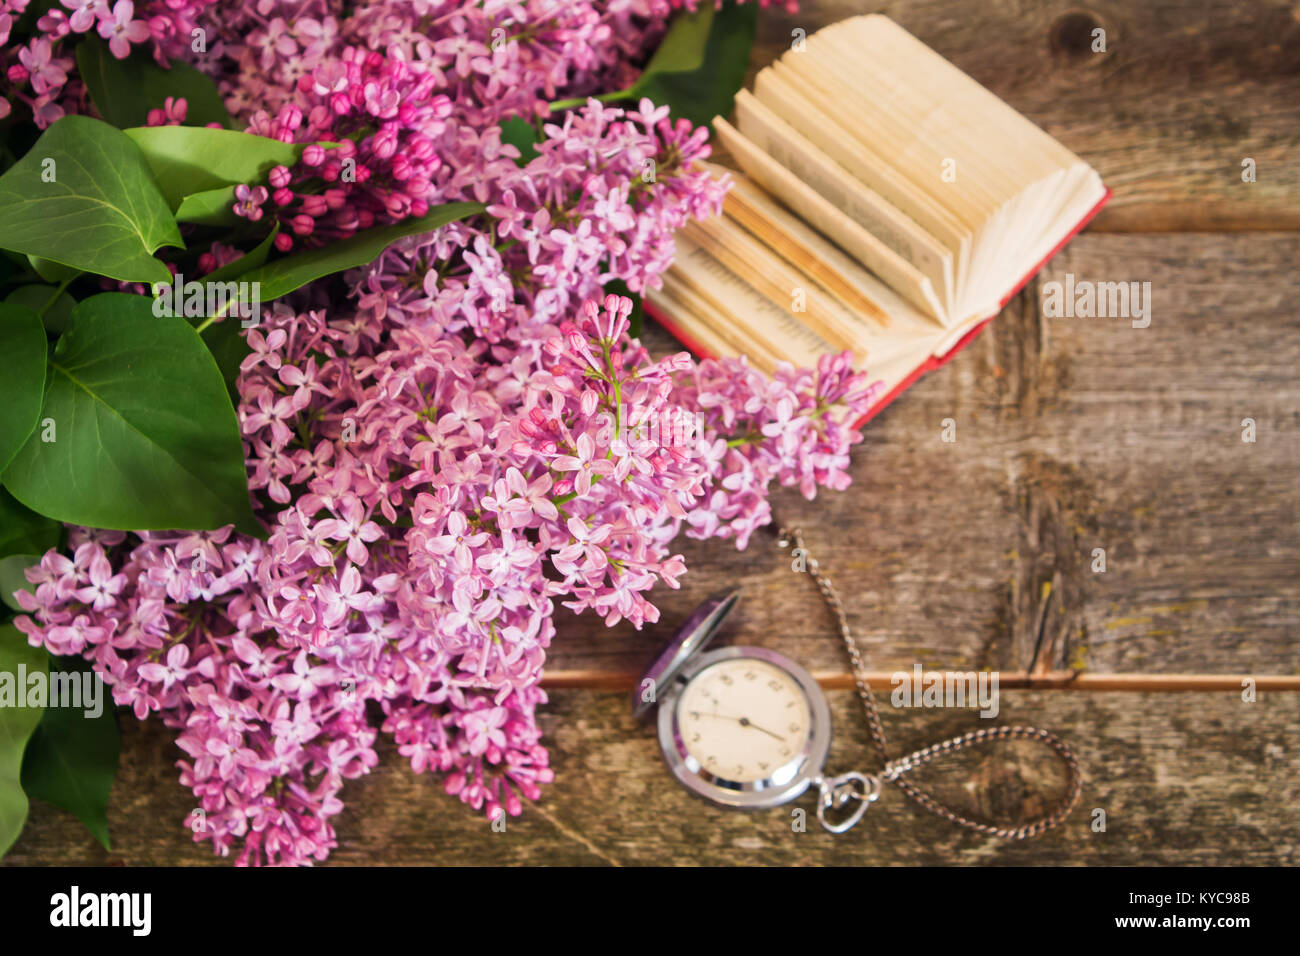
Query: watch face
[743,719]
[745,727]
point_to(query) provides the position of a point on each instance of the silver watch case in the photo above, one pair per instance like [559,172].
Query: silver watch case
[783,784]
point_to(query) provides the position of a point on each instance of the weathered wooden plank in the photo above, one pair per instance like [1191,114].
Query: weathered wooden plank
[1072,434]
[1182,778]
[1134,444]
[1183,94]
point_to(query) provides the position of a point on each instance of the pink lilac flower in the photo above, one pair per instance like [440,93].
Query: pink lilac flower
[382,166]
[122,29]
[172,113]
[249,200]
[584,464]
[44,72]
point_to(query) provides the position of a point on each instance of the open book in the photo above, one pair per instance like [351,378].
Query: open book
[889,205]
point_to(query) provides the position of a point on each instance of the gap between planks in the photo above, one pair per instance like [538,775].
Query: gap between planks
[1007,680]
[1173,217]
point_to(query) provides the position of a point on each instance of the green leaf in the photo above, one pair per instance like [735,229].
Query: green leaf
[225,340]
[292,272]
[23,531]
[187,160]
[22,343]
[683,47]
[522,135]
[13,579]
[255,258]
[101,214]
[57,305]
[212,207]
[16,726]
[51,271]
[72,758]
[146,436]
[708,91]
[124,91]
[636,317]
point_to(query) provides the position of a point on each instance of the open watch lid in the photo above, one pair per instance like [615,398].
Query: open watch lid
[696,632]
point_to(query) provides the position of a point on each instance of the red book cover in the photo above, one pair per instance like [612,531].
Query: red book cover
[935,360]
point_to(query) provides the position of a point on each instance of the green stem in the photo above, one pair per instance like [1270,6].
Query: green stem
[57,292]
[565,499]
[576,101]
[220,314]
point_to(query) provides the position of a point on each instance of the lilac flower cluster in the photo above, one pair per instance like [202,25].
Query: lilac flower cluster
[259,51]
[456,444]
[436,505]
[579,215]
[401,145]
[269,738]
[37,73]
[386,121]
[496,59]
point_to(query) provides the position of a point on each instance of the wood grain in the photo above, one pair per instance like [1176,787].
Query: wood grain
[1183,93]
[1072,434]
[1182,778]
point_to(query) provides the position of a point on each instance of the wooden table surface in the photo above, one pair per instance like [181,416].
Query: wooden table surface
[1073,435]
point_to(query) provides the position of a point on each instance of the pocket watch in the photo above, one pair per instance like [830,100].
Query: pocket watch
[748,728]
[744,727]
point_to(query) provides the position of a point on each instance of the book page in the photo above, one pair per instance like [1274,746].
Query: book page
[753,209]
[946,108]
[900,51]
[737,304]
[868,208]
[866,111]
[788,98]
[771,276]
[727,298]
[762,341]
[823,215]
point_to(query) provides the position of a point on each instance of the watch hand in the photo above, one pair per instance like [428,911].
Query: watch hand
[746,722]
